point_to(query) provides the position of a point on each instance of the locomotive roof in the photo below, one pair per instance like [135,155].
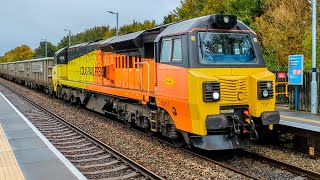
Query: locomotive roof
[188,25]
[174,28]
[125,37]
[182,26]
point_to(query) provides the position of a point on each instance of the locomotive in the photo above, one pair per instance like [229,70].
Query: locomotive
[201,82]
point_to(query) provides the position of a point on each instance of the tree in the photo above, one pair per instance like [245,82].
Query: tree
[281,29]
[246,10]
[2,59]
[137,26]
[39,52]
[22,52]
[88,35]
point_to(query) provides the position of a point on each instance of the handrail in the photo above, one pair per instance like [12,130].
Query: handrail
[141,63]
[287,89]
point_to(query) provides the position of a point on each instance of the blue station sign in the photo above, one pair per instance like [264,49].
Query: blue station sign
[295,69]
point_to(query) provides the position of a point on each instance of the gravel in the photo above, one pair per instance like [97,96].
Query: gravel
[169,162]
[289,156]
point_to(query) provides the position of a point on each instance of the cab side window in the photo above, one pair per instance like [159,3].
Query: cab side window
[177,50]
[166,51]
[171,50]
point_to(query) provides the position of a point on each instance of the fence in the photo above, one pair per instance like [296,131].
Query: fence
[304,92]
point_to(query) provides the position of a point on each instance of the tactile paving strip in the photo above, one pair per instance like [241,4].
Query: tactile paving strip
[9,167]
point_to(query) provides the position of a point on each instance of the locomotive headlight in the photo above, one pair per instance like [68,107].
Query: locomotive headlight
[265,89]
[211,91]
[269,85]
[265,93]
[215,95]
[226,19]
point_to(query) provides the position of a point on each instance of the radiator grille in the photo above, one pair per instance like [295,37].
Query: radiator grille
[234,90]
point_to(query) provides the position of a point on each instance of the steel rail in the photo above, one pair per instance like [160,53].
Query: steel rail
[276,163]
[280,164]
[143,170]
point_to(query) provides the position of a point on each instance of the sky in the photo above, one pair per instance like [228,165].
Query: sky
[27,22]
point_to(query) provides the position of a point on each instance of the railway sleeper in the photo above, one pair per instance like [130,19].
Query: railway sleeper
[79,150]
[62,136]
[70,142]
[76,146]
[100,165]
[106,156]
[87,155]
[120,168]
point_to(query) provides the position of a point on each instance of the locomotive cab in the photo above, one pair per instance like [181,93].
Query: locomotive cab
[230,92]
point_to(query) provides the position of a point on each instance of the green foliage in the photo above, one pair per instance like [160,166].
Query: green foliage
[137,26]
[22,52]
[2,59]
[103,32]
[281,29]
[246,10]
[307,45]
[39,52]
[284,27]
[88,35]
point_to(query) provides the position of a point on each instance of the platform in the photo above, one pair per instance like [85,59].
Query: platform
[299,119]
[25,153]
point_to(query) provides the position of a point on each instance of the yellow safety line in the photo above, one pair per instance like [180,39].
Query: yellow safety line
[9,167]
[301,119]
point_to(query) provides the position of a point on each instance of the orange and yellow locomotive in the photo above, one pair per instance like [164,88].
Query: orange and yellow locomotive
[202,81]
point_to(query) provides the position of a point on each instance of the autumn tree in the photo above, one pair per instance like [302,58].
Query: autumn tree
[281,29]
[22,52]
[2,59]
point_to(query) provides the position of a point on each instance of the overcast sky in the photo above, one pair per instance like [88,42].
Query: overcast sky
[27,22]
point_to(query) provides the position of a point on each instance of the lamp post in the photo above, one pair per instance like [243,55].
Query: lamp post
[69,36]
[314,89]
[46,47]
[117,14]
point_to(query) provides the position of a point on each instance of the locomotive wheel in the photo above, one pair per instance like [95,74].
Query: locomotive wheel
[129,124]
[147,127]
[178,142]
[148,131]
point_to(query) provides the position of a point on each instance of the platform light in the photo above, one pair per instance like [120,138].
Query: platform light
[117,16]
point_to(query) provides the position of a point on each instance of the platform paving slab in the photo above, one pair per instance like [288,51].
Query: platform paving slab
[30,152]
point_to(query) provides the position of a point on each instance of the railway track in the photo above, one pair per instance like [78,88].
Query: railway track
[258,157]
[92,157]
[282,165]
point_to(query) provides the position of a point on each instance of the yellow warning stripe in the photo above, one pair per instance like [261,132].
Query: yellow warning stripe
[9,167]
[301,119]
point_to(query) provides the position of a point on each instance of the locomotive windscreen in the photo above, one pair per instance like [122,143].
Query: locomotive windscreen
[226,48]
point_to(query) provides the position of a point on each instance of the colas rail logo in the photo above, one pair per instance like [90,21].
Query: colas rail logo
[169,81]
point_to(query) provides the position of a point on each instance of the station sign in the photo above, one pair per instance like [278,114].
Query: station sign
[295,69]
